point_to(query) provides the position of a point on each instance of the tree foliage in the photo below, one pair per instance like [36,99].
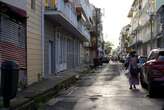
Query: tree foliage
[108,47]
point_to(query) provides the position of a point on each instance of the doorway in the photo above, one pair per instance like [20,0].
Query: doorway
[50,47]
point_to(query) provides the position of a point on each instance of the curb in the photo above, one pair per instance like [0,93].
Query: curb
[31,103]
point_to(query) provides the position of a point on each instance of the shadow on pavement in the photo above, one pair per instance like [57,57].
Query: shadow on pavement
[137,92]
[113,72]
[108,73]
[158,95]
[62,105]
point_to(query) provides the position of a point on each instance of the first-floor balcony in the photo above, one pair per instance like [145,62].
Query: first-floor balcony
[65,14]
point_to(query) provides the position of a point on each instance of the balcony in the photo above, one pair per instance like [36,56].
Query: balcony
[83,30]
[65,14]
[78,6]
[82,6]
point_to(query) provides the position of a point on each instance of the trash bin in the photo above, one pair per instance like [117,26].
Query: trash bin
[9,81]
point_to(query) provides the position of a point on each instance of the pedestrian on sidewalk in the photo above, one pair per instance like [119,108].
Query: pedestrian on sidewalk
[133,70]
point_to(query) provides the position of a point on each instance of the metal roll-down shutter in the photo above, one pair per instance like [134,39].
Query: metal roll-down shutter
[13,43]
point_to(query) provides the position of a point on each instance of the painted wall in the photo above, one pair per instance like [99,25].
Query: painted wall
[65,49]
[34,51]
[49,36]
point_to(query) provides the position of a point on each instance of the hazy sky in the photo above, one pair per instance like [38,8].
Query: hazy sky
[115,17]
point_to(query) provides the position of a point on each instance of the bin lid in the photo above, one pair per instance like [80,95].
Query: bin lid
[9,65]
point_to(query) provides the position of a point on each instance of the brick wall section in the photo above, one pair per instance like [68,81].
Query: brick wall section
[10,51]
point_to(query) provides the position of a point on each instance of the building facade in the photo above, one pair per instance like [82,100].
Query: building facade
[50,36]
[160,13]
[34,41]
[124,40]
[146,26]
[13,35]
[21,35]
[65,32]
[97,41]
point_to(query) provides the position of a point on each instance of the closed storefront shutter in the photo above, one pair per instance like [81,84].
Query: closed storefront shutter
[12,43]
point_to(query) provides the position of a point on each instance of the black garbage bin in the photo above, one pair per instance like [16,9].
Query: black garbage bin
[9,81]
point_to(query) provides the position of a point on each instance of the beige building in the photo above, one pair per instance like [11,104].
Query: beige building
[13,35]
[23,37]
[34,49]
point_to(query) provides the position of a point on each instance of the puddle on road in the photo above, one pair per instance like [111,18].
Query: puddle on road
[95,97]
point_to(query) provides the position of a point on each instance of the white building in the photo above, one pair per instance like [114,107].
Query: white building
[64,33]
[145,24]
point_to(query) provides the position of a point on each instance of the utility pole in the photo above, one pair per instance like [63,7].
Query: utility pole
[96,32]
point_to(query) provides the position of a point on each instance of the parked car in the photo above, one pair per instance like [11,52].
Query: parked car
[152,76]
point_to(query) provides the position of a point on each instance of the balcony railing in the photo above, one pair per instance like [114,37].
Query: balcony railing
[69,13]
[83,30]
[85,6]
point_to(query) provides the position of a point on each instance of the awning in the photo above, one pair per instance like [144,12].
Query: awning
[9,8]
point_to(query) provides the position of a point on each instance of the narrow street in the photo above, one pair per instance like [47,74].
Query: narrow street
[106,89]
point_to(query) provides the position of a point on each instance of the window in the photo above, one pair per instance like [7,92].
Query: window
[33,4]
[153,55]
[161,56]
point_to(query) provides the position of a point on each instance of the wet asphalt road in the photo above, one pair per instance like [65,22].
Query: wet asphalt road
[106,89]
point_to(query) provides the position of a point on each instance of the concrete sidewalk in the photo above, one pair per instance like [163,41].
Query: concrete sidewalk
[40,91]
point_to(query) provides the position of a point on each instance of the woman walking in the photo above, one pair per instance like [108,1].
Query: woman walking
[133,70]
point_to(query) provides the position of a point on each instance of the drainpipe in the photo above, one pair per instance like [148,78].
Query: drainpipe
[151,31]
[42,36]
